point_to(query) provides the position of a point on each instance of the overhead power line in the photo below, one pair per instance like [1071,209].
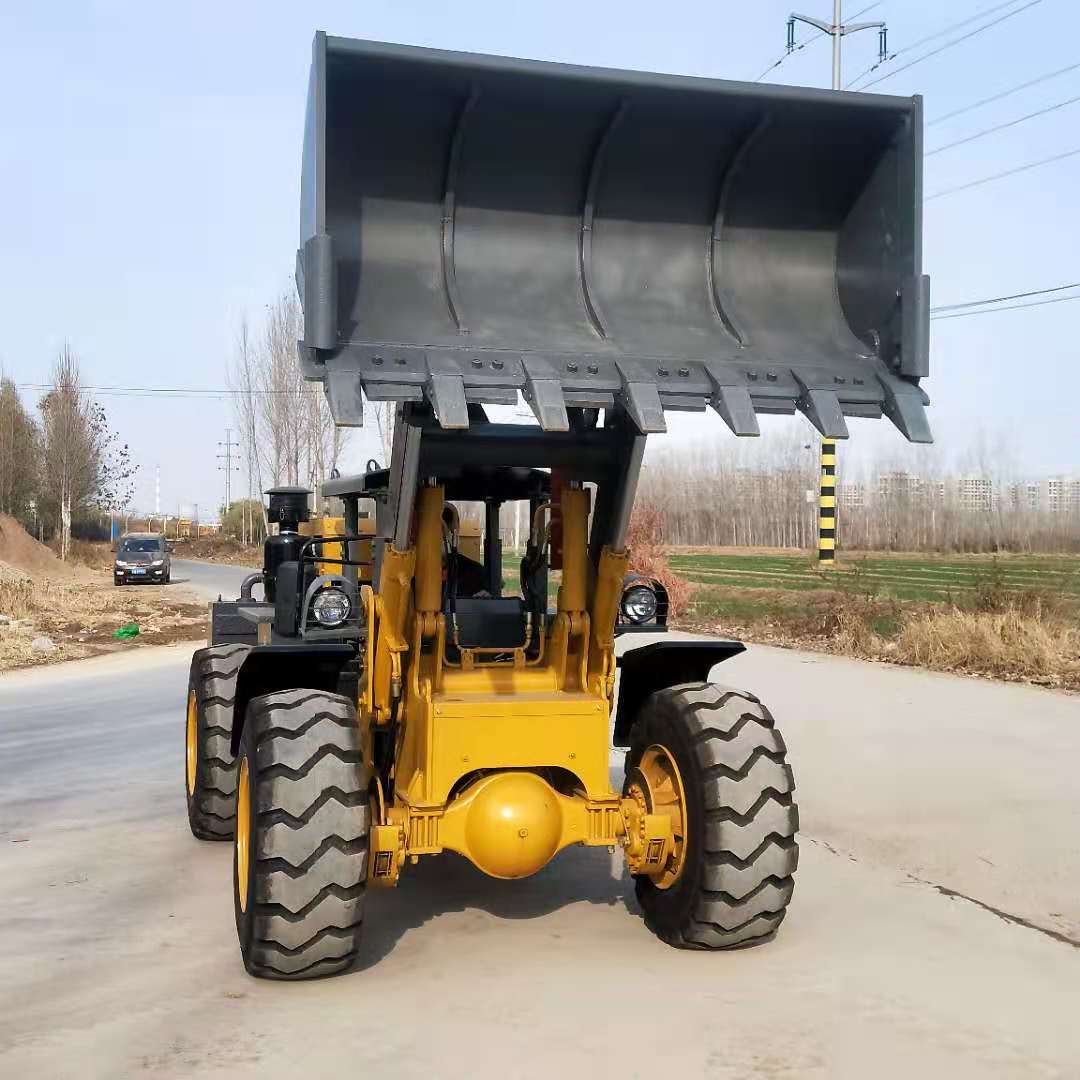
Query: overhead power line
[784,55]
[1007,307]
[941,311]
[942,48]
[149,391]
[957,25]
[1003,126]
[1003,94]
[1001,299]
[1001,175]
[930,37]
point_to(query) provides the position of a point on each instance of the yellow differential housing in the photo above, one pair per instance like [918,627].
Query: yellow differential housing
[511,823]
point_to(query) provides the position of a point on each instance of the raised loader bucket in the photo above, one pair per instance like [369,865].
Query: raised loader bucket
[476,227]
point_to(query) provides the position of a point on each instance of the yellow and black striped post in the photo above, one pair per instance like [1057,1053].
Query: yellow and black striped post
[826,545]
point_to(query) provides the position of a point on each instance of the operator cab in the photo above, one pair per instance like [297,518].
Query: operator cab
[486,609]
[497,608]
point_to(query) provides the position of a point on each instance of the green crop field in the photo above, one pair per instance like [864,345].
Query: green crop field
[901,577]
[908,577]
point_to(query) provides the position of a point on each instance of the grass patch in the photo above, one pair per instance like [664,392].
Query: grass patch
[1011,644]
[903,577]
[1006,618]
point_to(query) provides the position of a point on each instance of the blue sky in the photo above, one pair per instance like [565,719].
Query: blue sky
[149,191]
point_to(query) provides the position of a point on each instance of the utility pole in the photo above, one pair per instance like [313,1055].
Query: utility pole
[229,465]
[826,544]
[837,31]
[157,492]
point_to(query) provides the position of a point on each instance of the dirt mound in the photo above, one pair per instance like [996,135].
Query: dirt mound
[20,550]
[221,549]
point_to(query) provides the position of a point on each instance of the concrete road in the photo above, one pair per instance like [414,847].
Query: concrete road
[935,929]
[211,580]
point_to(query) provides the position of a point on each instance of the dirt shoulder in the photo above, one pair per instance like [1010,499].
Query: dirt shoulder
[53,611]
[1009,635]
[45,621]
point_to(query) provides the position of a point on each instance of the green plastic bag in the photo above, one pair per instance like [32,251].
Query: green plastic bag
[126,633]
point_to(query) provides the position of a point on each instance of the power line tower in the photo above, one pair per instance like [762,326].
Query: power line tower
[229,465]
[837,30]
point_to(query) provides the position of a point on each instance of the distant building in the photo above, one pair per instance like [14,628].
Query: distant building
[899,485]
[1025,496]
[851,496]
[976,493]
[1062,495]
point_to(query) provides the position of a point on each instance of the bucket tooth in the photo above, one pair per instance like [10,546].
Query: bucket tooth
[544,395]
[445,389]
[905,405]
[822,409]
[447,396]
[641,397]
[733,403]
[345,398]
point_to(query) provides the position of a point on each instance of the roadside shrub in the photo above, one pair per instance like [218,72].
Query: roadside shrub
[17,597]
[1011,643]
[648,556]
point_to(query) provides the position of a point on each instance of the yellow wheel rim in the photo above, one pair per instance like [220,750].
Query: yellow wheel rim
[191,741]
[243,833]
[658,781]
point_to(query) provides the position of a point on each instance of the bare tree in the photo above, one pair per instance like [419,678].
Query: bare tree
[243,377]
[324,438]
[384,426]
[286,430]
[82,459]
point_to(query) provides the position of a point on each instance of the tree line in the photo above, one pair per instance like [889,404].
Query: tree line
[726,494]
[60,462]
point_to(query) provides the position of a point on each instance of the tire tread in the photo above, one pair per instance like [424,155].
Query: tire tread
[311,835]
[743,878]
[212,808]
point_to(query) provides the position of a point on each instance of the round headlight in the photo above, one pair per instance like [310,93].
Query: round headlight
[639,604]
[331,607]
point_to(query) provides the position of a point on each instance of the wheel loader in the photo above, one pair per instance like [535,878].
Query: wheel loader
[607,248]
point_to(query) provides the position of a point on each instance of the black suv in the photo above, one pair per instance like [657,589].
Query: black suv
[142,557]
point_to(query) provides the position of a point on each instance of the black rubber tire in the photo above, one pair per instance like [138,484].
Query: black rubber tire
[741,820]
[308,843]
[212,805]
